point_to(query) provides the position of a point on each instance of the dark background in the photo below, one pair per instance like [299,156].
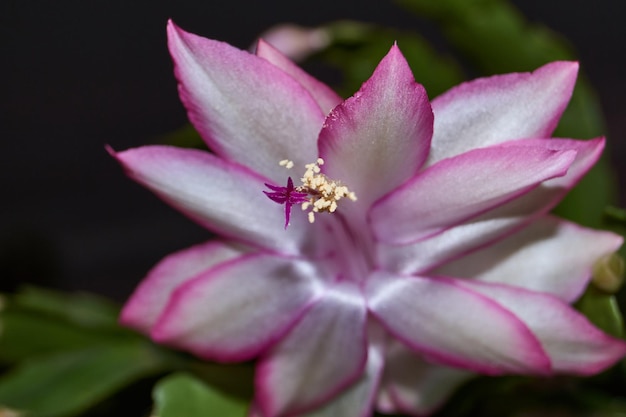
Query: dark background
[78,74]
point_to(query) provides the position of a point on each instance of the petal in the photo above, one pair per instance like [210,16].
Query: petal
[235,311]
[380,137]
[416,386]
[453,325]
[492,110]
[297,42]
[321,356]
[550,255]
[152,295]
[462,187]
[326,98]
[573,344]
[223,197]
[458,241]
[358,399]
[246,109]
[587,154]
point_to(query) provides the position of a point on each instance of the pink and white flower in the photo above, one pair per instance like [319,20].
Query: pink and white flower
[445,264]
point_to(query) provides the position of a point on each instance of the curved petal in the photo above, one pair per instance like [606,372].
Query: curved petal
[320,357]
[550,255]
[492,110]
[458,241]
[462,187]
[415,386]
[221,196]
[235,311]
[358,399]
[453,325]
[573,344]
[326,98]
[246,109]
[151,296]
[380,137]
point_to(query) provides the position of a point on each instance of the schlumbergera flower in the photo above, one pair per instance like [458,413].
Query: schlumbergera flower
[440,262]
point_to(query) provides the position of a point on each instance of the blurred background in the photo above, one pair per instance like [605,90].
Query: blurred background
[78,74]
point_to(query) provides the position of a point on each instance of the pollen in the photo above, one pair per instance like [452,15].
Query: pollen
[286,163]
[316,194]
[324,192]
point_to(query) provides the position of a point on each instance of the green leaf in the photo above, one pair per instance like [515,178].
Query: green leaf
[25,334]
[183,395]
[602,310]
[37,321]
[68,383]
[615,214]
[81,308]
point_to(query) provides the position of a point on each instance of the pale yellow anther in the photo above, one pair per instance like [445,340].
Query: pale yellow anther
[311,217]
[286,163]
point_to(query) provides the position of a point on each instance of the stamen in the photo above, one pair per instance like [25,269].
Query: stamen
[318,193]
[286,163]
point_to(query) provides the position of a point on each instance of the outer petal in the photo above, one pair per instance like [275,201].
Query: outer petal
[453,325]
[246,109]
[326,98]
[235,311]
[380,137]
[492,110]
[220,196]
[419,257]
[415,386]
[573,344]
[358,399]
[152,295]
[463,187]
[550,256]
[321,356]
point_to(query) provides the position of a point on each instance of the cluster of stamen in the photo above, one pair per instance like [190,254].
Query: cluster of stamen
[324,193]
[318,193]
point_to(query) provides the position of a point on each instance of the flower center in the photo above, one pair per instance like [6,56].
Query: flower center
[318,193]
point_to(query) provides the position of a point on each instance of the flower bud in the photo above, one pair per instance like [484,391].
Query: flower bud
[608,273]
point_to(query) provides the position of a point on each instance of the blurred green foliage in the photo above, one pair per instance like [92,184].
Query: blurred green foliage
[183,395]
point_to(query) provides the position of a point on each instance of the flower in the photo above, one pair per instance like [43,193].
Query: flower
[445,262]
[295,41]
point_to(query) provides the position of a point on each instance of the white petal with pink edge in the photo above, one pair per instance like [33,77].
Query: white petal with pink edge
[460,188]
[413,385]
[237,310]
[246,109]
[549,255]
[151,296]
[488,228]
[573,344]
[488,111]
[455,326]
[380,137]
[223,197]
[358,399]
[323,355]
[326,98]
